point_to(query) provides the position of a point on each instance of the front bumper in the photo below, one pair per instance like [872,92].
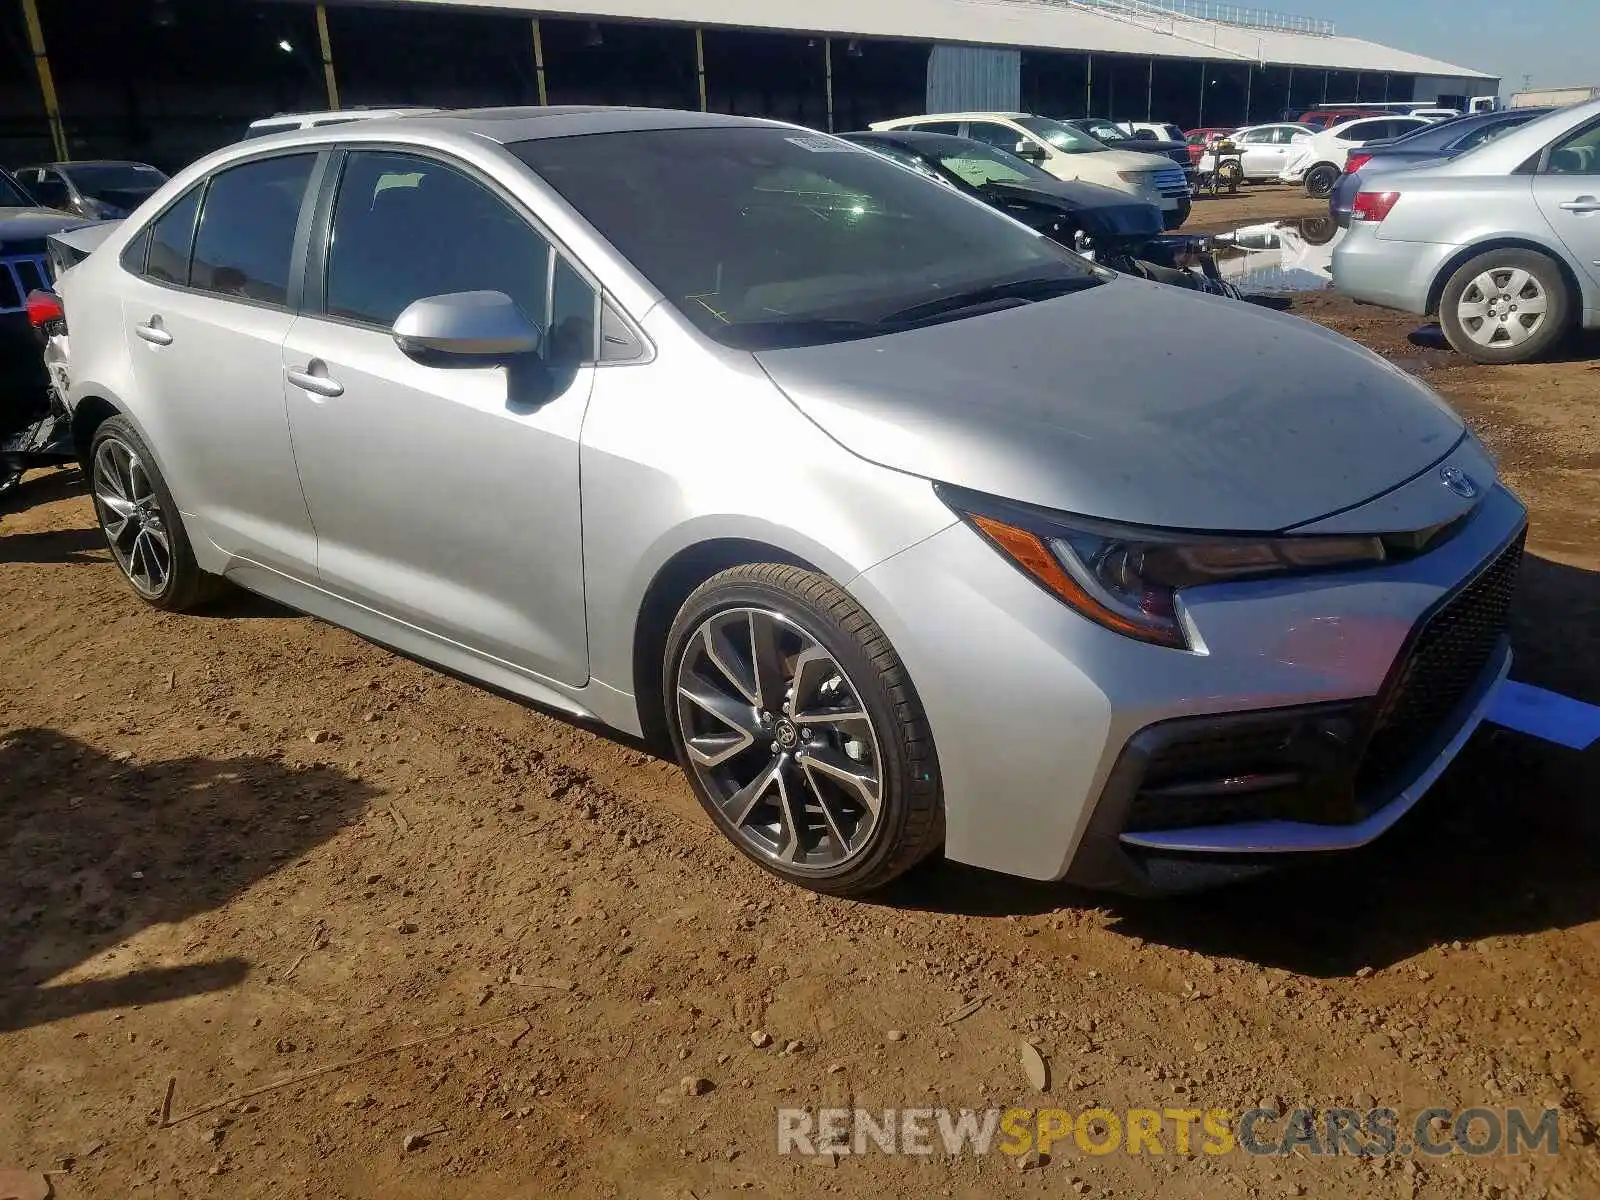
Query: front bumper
[1045,723]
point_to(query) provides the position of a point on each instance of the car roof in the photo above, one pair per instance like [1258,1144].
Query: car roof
[965,116]
[86,162]
[508,126]
[339,114]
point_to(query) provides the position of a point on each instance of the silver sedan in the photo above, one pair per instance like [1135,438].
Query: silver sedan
[1503,243]
[869,503]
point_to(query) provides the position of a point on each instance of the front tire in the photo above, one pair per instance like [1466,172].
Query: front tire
[141,523]
[1507,306]
[1321,180]
[800,731]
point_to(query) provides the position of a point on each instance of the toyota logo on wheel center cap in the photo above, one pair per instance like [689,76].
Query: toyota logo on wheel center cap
[785,734]
[1459,482]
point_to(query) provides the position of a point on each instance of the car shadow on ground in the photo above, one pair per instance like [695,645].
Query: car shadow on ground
[1582,346]
[53,546]
[93,850]
[1505,843]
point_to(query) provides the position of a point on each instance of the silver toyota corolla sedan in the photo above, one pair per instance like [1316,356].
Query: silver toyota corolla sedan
[875,506]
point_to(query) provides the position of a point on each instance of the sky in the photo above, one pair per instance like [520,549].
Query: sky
[1557,42]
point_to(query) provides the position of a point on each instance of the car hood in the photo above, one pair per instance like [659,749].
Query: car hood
[1235,418]
[1099,210]
[35,224]
[1122,160]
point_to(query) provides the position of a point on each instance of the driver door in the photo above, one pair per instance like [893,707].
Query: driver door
[1567,189]
[444,495]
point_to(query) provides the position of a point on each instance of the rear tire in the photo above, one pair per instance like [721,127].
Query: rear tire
[800,731]
[1321,180]
[1507,306]
[141,523]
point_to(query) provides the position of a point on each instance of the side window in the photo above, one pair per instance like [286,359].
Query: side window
[992,133]
[405,228]
[52,190]
[1282,136]
[1257,137]
[245,242]
[1578,155]
[171,238]
[574,318]
[618,342]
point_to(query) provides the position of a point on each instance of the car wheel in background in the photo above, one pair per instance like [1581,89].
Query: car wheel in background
[1506,306]
[141,522]
[800,730]
[1321,180]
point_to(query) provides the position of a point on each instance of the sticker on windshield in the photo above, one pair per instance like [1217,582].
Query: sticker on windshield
[824,145]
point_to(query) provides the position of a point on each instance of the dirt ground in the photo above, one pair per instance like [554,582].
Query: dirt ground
[309,899]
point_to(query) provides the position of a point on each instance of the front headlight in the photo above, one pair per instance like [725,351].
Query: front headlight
[1142,181]
[1127,578]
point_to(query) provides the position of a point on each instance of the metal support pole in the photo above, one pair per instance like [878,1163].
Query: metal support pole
[1324,87]
[1150,92]
[327,56]
[1249,90]
[1289,102]
[827,63]
[700,63]
[538,62]
[1386,87]
[47,82]
[1088,90]
[1201,122]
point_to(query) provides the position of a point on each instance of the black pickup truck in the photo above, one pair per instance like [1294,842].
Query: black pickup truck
[25,431]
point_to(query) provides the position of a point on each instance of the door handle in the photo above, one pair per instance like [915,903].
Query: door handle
[317,385]
[154,333]
[1583,204]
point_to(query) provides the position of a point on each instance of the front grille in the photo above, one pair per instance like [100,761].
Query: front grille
[1329,764]
[1447,658]
[18,277]
[1171,181]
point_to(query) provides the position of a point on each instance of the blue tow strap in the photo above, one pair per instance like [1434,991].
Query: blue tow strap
[1548,715]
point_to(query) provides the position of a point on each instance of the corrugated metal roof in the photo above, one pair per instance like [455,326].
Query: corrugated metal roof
[1035,24]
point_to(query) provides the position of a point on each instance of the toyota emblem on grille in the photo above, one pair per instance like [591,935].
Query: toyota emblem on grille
[1459,482]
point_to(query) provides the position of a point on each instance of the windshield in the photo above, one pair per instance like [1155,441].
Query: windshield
[94,178]
[12,195]
[978,164]
[1063,137]
[769,237]
[1104,131]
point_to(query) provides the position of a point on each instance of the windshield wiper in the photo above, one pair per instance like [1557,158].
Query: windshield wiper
[1020,291]
[786,332]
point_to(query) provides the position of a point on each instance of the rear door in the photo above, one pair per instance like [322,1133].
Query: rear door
[445,495]
[1567,189]
[205,313]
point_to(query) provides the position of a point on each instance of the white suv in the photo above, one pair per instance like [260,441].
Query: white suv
[1067,153]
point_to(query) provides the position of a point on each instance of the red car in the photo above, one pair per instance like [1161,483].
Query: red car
[1199,139]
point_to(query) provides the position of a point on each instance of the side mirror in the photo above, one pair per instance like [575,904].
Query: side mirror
[1030,151]
[482,325]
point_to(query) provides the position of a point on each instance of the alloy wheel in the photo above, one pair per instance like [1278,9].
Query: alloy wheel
[778,737]
[130,514]
[1503,307]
